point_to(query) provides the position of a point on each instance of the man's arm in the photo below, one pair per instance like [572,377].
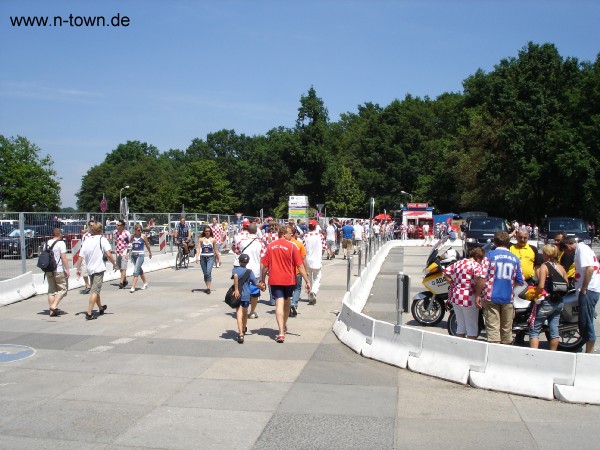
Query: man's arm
[587,277]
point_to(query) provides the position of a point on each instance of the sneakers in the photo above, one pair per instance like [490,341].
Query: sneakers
[132,290]
[101,312]
[253,316]
[86,291]
[240,339]
[124,283]
[89,316]
[145,286]
[293,311]
[207,291]
[312,298]
[279,339]
[121,285]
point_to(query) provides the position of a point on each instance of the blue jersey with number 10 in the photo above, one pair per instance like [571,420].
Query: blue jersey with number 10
[501,272]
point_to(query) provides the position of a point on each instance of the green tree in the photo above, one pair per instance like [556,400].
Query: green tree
[203,188]
[28,182]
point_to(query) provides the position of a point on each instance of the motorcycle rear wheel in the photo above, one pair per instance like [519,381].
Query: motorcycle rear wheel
[451,324]
[428,311]
[568,341]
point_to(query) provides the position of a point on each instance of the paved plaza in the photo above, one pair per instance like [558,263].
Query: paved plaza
[162,370]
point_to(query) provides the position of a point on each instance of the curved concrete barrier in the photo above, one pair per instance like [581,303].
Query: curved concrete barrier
[359,328]
[17,289]
[393,347]
[586,388]
[525,371]
[449,357]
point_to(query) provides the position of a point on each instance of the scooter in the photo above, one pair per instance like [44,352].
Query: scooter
[569,338]
[429,307]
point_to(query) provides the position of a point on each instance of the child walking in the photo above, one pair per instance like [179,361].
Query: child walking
[242,279]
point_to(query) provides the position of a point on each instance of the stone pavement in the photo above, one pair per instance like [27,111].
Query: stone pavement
[162,370]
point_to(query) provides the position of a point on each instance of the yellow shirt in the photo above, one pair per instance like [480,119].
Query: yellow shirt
[302,249]
[527,257]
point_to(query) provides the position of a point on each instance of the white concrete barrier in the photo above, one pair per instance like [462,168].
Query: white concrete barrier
[586,388]
[391,347]
[525,371]
[359,328]
[448,357]
[17,289]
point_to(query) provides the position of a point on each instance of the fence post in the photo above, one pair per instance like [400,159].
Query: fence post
[359,260]
[348,273]
[22,243]
[402,294]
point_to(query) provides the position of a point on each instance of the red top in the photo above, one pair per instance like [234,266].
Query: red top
[281,258]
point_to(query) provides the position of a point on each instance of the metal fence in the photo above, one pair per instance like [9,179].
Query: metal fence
[24,234]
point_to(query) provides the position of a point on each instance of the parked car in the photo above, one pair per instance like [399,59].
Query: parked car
[71,232]
[153,234]
[571,226]
[480,230]
[35,238]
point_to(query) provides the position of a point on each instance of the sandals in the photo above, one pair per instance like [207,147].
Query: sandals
[240,339]
[279,339]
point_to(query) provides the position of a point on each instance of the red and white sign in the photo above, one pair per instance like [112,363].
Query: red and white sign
[75,248]
[162,242]
[417,205]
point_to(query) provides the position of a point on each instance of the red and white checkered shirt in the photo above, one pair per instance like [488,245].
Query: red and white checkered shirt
[235,245]
[218,232]
[270,237]
[314,233]
[462,288]
[122,240]
[86,235]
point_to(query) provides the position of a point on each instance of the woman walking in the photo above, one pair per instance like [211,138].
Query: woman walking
[138,241]
[208,251]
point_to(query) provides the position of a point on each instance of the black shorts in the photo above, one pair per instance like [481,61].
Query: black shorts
[282,291]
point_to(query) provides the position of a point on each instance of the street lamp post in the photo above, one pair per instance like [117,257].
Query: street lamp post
[408,193]
[121,199]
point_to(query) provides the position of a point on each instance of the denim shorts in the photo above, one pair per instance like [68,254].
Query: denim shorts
[549,311]
[244,304]
[587,306]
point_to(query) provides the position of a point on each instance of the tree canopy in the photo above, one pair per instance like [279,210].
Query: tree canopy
[520,141]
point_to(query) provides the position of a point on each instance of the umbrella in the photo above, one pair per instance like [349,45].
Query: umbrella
[382,217]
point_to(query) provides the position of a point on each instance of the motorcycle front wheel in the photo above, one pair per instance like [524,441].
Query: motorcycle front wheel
[568,341]
[428,311]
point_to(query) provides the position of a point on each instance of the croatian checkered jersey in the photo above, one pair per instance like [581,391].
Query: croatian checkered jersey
[122,239]
[462,289]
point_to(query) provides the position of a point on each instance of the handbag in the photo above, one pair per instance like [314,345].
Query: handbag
[230,298]
[104,257]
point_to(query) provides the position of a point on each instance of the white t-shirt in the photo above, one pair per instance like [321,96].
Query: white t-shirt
[585,257]
[253,248]
[425,229]
[331,232]
[92,253]
[59,249]
[314,249]
[358,232]
[376,228]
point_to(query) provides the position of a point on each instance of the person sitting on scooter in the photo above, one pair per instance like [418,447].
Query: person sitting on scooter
[550,307]
[461,277]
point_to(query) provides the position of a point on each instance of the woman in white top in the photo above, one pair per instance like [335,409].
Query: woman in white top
[58,281]
[138,242]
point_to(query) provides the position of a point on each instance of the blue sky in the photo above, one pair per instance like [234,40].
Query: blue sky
[183,69]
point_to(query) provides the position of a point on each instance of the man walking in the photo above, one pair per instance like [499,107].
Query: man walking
[587,284]
[58,281]
[315,245]
[122,241]
[280,261]
[219,235]
[94,249]
[501,270]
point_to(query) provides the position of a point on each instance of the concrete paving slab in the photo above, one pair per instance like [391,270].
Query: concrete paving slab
[234,395]
[556,435]
[31,384]
[349,373]
[27,443]
[79,420]
[254,369]
[454,433]
[193,428]
[126,389]
[318,398]
[327,432]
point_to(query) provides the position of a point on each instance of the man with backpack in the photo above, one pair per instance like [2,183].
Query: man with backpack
[58,276]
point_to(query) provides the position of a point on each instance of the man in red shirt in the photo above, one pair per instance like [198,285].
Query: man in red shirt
[280,261]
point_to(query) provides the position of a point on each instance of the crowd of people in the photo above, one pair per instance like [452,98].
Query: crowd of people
[487,281]
[281,256]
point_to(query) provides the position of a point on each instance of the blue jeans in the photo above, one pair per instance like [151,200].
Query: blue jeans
[297,291]
[138,260]
[207,263]
[587,305]
[549,311]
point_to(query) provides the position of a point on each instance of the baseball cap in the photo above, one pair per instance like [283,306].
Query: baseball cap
[245,223]
[244,258]
[312,223]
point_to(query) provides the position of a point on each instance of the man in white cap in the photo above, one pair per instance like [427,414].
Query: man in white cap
[315,246]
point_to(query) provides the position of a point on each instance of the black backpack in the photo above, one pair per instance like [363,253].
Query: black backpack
[46,260]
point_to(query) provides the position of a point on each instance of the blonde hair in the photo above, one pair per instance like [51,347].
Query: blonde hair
[96,228]
[551,251]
